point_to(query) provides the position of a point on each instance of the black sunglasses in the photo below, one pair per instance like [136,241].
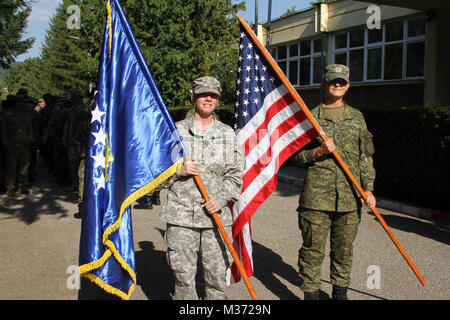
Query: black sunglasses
[341,82]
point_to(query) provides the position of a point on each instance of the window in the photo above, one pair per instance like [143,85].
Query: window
[301,62]
[415,56]
[394,52]
[374,63]
[305,71]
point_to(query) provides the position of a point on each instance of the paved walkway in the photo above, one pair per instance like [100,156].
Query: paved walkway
[39,250]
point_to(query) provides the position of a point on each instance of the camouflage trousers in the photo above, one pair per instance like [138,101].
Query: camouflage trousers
[315,226]
[184,245]
[17,161]
[81,184]
[73,160]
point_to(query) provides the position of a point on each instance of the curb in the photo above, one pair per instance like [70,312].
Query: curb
[415,211]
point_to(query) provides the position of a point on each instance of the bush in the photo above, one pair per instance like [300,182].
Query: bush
[412,153]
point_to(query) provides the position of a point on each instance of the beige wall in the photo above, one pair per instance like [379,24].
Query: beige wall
[348,14]
[339,15]
[292,28]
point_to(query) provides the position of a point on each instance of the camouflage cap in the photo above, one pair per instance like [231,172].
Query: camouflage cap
[22,91]
[206,84]
[76,93]
[337,71]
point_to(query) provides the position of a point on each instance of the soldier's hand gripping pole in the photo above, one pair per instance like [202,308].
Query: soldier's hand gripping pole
[225,237]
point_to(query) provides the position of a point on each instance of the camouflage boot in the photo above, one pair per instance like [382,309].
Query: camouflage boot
[311,295]
[25,190]
[156,200]
[339,293]
[79,214]
[10,191]
[144,203]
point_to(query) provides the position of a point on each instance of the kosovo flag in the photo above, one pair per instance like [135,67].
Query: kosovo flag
[133,147]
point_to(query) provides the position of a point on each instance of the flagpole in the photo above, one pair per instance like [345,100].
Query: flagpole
[225,237]
[338,158]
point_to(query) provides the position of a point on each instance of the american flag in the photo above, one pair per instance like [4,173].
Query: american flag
[270,126]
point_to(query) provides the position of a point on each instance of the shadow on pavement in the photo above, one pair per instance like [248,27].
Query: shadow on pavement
[285,189]
[411,224]
[153,274]
[27,208]
[47,198]
[272,265]
[91,291]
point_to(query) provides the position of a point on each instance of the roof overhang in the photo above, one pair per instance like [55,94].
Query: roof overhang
[414,4]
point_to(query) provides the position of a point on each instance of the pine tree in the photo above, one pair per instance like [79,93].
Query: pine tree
[180,40]
[186,40]
[64,52]
[13,21]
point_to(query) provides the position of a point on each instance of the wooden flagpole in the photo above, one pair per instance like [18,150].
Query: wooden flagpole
[225,237]
[338,158]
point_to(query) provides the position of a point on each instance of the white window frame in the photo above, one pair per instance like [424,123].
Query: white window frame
[382,44]
[297,58]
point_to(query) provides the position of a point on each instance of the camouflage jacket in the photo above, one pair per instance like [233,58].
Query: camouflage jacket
[326,186]
[221,164]
[17,130]
[76,128]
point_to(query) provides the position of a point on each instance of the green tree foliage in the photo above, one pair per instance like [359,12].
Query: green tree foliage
[13,21]
[180,40]
[184,40]
[28,74]
[290,11]
[64,53]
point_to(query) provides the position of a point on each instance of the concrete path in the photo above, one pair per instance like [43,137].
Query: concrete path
[39,240]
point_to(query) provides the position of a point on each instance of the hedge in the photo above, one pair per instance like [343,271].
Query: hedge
[412,151]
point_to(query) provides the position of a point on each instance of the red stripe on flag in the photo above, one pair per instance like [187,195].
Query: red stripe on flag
[259,133]
[266,157]
[245,215]
[246,260]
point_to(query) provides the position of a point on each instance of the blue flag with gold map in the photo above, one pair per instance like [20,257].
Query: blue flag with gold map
[133,146]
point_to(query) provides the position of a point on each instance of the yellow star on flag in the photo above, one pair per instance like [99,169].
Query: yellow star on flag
[108,158]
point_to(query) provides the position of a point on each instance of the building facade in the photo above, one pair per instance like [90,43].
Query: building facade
[392,51]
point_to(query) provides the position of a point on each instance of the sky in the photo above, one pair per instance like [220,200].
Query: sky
[43,10]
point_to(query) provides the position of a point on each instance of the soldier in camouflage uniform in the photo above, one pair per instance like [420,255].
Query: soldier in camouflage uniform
[329,201]
[73,127]
[56,137]
[17,135]
[76,134]
[5,108]
[30,103]
[190,231]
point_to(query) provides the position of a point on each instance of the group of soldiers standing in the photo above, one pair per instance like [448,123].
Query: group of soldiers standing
[55,128]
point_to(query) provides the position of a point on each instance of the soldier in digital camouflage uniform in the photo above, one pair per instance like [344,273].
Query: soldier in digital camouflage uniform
[17,135]
[329,201]
[191,231]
